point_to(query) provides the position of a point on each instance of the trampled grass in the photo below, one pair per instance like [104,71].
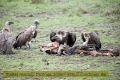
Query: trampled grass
[76,16]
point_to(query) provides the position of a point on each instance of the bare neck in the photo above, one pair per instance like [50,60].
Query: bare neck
[36,26]
[86,42]
[8,27]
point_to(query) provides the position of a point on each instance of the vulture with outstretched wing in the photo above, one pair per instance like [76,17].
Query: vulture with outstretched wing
[25,37]
[6,39]
[64,37]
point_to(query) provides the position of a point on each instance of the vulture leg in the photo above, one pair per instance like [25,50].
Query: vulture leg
[28,44]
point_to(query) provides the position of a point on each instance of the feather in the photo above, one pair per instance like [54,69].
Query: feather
[64,37]
[25,37]
[52,34]
[94,39]
[6,40]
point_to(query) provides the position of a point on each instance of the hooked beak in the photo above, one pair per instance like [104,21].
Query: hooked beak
[11,23]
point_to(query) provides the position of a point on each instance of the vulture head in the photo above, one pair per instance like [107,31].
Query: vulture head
[36,23]
[59,36]
[9,23]
[63,37]
[91,38]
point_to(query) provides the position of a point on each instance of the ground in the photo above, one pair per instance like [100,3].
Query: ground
[102,16]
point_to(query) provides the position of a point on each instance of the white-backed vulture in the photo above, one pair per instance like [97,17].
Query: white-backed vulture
[6,39]
[91,38]
[25,37]
[64,37]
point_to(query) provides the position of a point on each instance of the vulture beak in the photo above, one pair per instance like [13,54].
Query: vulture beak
[11,23]
[54,38]
[36,22]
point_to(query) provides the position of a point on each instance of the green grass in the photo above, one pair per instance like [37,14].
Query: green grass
[72,15]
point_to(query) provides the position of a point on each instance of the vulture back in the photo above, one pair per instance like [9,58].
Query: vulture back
[94,39]
[23,37]
[71,39]
[6,41]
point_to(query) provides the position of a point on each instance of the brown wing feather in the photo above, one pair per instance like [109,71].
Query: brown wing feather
[71,39]
[6,41]
[82,36]
[22,38]
[94,37]
[20,34]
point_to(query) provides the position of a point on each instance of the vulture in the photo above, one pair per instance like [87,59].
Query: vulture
[6,39]
[91,38]
[24,38]
[63,37]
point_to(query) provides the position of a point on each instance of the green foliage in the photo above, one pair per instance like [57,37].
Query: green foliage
[78,10]
[53,0]
[26,0]
[1,1]
[37,1]
[113,11]
[64,10]
[97,3]
[9,0]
